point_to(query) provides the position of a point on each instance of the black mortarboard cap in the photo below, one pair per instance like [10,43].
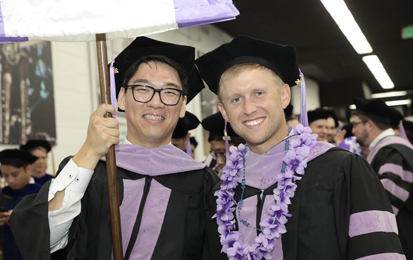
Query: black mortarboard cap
[317,114]
[188,122]
[215,124]
[33,144]
[378,109]
[243,49]
[15,154]
[183,55]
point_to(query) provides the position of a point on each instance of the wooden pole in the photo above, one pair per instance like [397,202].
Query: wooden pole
[110,156]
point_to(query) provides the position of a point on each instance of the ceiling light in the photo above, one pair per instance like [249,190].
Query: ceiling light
[345,21]
[399,102]
[389,94]
[352,107]
[375,66]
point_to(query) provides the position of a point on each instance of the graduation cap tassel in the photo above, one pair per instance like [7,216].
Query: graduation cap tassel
[301,83]
[188,148]
[113,86]
[402,131]
[226,140]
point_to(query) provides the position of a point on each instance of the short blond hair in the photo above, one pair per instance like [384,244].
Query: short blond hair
[240,67]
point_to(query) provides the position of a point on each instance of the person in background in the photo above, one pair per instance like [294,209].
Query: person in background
[194,144]
[285,195]
[289,117]
[40,149]
[391,157]
[215,124]
[331,125]
[317,121]
[348,141]
[16,166]
[181,135]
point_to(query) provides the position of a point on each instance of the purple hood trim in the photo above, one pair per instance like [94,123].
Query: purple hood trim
[166,159]
[393,139]
[261,170]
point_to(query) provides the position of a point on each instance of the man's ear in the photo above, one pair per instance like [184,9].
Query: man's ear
[223,111]
[285,95]
[183,108]
[29,168]
[121,98]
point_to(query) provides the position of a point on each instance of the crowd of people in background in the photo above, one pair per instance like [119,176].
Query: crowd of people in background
[348,203]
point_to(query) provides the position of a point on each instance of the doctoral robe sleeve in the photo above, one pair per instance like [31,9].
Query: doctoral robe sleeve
[396,176]
[363,214]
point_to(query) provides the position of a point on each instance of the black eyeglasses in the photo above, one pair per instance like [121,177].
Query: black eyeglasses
[144,94]
[356,123]
[216,155]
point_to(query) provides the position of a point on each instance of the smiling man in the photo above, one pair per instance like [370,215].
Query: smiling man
[285,195]
[162,190]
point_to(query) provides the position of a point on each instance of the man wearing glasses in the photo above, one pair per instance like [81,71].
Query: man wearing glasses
[161,189]
[391,157]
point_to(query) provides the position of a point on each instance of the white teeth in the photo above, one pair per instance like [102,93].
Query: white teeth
[254,122]
[153,117]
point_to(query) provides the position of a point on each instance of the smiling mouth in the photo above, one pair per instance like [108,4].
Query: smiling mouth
[254,122]
[152,117]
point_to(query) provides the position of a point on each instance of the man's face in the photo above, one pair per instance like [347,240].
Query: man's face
[253,104]
[360,131]
[151,124]
[40,165]
[331,129]
[319,127]
[16,178]
[219,148]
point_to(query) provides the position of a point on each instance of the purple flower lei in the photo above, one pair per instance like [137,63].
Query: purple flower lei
[273,227]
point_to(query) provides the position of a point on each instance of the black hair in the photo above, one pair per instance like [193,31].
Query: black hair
[14,162]
[156,58]
[380,122]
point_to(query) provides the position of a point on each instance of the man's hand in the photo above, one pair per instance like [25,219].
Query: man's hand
[4,217]
[340,136]
[102,133]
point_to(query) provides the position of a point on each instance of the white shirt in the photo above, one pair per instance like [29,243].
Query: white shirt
[385,133]
[75,180]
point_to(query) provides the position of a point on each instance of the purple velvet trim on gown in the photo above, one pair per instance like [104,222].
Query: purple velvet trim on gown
[393,139]
[166,159]
[261,172]
[152,219]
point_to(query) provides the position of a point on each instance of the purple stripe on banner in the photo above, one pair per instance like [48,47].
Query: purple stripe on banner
[398,170]
[192,13]
[395,190]
[13,39]
[372,221]
[384,256]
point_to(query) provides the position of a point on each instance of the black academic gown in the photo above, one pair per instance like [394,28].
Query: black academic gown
[11,198]
[335,185]
[393,161]
[182,231]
